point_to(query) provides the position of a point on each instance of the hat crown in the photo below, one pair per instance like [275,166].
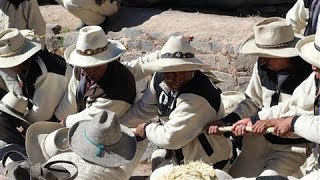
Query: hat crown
[11,41]
[273,31]
[15,102]
[105,129]
[91,38]
[55,142]
[177,44]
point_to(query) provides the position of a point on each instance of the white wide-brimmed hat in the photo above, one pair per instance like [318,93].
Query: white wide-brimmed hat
[309,49]
[16,106]
[15,47]
[176,55]
[273,37]
[45,140]
[93,48]
[103,140]
[231,99]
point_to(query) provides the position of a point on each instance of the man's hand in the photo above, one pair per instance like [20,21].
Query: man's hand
[213,127]
[140,130]
[283,127]
[239,128]
[262,125]
[100,2]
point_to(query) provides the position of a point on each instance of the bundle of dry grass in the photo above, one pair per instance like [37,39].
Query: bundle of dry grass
[193,170]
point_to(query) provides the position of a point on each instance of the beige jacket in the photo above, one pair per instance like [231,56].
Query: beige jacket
[258,97]
[300,103]
[68,105]
[26,16]
[298,16]
[181,129]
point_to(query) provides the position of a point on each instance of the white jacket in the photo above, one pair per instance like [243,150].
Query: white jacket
[298,16]
[182,127]
[68,106]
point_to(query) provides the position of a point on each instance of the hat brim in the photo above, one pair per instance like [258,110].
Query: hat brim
[113,156]
[29,49]
[308,52]
[114,51]
[33,146]
[24,123]
[175,65]
[249,47]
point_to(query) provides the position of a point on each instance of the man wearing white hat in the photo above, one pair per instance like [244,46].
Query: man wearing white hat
[300,114]
[43,76]
[91,12]
[185,101]
[275,76]
[103,148]
[99,80]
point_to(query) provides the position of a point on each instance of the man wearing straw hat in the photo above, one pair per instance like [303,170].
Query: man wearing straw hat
[99,80]
[103,148]
[185,101]
[275,76]
[300,114]
[43,77]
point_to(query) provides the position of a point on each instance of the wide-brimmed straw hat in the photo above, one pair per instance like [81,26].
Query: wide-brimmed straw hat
[231,99]
[45,140]
[273,37]
[103,140]
[93,48]
[176,55]
[15,47]
[16,106]
[309,49]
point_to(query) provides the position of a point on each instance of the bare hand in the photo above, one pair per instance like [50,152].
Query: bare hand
[283,127]
[140,130]
[239,128]
[213,127]
[261,126]
[100,2]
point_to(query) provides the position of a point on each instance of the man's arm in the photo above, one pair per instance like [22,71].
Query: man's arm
[144,109]
[298,16]
[186,121]
[136,66]
[307,126]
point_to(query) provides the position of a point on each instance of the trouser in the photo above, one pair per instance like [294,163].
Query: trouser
[89,11]
[259,155]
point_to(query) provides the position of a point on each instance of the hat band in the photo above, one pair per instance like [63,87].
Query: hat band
[14,52]
[274,46]
[12,109]
[177,55]
[91,52]
[317,47]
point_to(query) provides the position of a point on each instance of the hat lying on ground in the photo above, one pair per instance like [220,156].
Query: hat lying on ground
[273,37]
[16,106]
[103,140]
[15,47]
[93,48]
[46,139]
[176,55]
[309,49]
[231,99]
